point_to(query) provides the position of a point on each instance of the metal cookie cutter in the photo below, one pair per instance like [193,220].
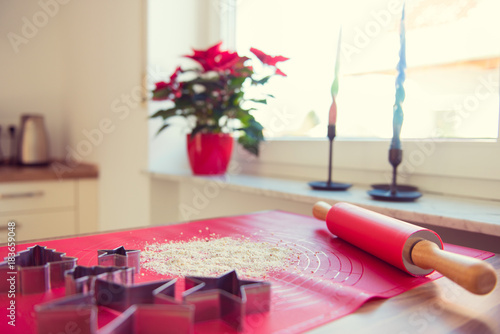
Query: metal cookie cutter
[120,257]
[73,314]
[82,279]
[148,308]
[119,296]
[152,319]
[39,269]
[227,298]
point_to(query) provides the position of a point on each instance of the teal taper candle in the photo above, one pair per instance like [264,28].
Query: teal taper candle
[398,116]
[332,116]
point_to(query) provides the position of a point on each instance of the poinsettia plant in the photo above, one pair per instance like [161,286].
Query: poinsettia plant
[212,94]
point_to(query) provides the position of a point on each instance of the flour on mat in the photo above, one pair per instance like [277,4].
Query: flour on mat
[212,256]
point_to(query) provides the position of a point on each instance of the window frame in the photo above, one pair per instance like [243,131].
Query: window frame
[462,167]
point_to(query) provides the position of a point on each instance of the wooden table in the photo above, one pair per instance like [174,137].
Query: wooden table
[439,306]
[436,307]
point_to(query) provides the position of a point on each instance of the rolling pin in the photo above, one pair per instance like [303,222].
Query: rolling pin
[413,249]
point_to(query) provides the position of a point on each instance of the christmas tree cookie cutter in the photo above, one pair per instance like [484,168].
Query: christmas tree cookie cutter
[39,269]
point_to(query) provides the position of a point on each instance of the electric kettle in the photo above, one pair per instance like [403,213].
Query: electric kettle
[33,142]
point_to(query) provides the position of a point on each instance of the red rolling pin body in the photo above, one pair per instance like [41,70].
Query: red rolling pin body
[384,237]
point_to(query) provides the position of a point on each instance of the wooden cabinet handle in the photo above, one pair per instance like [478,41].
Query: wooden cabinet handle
[27,194]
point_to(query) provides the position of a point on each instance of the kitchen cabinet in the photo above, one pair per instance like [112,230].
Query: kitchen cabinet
[45,207]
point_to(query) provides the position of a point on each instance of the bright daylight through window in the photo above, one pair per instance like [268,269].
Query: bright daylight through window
[452,52]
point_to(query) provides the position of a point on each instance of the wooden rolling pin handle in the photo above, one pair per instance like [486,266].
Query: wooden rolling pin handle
[320,210]
[475,275]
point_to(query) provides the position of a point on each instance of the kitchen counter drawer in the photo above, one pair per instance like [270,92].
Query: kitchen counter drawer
[38,225]
[26,196]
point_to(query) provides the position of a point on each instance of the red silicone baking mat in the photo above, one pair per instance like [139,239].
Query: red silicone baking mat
[332,279]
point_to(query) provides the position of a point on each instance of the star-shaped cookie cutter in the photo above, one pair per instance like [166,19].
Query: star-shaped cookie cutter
[76,313]
[226,298]
[82,279]
[39,269]
[151,319]
[120,257]
[120,297]
[147,308]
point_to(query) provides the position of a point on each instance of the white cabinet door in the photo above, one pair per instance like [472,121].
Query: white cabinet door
[48,209]
[28,196]
[38,225]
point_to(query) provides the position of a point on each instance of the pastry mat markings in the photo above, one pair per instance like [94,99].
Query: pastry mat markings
[306,283]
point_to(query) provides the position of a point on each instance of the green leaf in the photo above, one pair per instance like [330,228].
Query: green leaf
[236,98]
[244,116]
[245,119]
[198,128]
[165,113]
[263,101]
[161,94]
[164,126]
[246,71]
[237,82]
[252,136]
[261,81]
[184,103]
[249,144]
[210,84]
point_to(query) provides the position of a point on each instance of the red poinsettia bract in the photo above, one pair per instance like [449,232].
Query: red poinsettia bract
[213,59]
[166,90]
[269,60]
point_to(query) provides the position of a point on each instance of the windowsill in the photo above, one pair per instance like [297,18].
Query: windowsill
[386,141]
[472,215]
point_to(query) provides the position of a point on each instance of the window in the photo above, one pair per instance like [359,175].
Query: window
[307,32]
[450,132]
[453,57]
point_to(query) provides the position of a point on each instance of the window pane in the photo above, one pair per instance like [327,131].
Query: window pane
[452,52]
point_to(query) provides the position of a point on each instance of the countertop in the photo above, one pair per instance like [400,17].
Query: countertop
[466,214]
[56,170]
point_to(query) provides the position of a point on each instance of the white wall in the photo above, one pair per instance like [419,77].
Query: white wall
[107,123]
[174,28]
[82,69]
[30,68]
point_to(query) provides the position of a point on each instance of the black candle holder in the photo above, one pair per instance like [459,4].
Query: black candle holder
[329,184]
[393,191]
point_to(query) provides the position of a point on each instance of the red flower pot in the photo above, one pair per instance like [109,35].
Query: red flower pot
[209,153]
